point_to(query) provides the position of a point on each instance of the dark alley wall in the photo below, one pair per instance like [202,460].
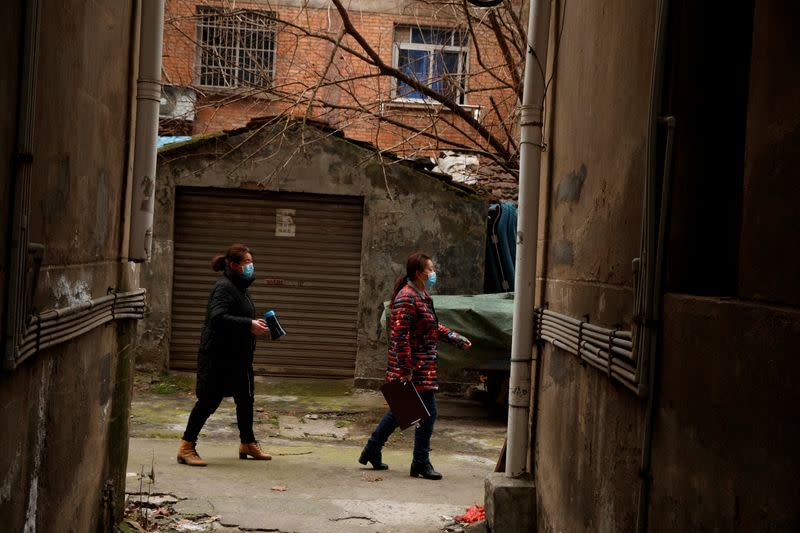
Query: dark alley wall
[725,429]
[10,41]
[768,267]
[65,409]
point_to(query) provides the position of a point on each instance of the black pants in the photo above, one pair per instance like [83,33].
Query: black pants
[205,407]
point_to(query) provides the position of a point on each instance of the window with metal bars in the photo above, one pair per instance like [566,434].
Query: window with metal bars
[435,57]
[235,48]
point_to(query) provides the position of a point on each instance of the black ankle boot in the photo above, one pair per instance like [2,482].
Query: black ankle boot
[370,455]
[425,470]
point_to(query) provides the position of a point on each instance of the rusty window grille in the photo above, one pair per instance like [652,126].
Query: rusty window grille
[235,48]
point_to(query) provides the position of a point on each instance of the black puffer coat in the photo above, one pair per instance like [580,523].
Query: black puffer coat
[225,358]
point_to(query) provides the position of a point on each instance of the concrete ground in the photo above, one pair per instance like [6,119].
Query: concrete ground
[315,431]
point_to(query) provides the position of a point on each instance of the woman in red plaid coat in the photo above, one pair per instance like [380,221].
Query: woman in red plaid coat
[414,332]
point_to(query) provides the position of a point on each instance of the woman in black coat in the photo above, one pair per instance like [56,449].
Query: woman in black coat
[225,358]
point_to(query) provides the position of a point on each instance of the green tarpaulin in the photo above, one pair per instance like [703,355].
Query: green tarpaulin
[485,319]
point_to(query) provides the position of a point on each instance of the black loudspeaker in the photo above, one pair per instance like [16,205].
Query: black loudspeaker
[275,329]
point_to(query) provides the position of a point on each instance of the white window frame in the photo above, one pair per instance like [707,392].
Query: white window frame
[461,51]
[220,20]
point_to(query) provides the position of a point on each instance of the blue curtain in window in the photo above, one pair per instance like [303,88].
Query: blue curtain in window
[445,70]
[413,63]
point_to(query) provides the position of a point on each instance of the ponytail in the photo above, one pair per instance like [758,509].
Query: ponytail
[235,254]
[399,284]
[415,263]
[218,263]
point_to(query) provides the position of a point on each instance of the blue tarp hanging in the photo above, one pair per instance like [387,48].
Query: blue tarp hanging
[501,248]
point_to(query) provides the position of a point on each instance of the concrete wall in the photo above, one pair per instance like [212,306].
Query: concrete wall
[725,450]
[725,430]
[772,160]
[404,211]
[65,410]
[725,453]
[588,428]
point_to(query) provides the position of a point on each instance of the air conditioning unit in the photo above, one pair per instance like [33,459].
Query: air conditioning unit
[177,103]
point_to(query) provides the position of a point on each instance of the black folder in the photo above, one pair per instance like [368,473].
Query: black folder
[405,403]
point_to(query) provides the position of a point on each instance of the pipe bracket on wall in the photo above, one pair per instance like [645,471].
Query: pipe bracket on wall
[36,250]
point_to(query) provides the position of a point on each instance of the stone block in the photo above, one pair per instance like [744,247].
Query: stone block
[510,504]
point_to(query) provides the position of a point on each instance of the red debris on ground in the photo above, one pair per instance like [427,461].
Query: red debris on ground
[475,513]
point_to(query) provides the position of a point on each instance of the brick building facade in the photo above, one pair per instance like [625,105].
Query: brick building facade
[226,61]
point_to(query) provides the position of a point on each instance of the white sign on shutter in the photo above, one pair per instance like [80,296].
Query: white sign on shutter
[284,223]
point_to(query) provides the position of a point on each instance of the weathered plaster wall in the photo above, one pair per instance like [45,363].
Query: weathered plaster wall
[725,451]
[725,429]
[63,409]
[404,211]
[588,434]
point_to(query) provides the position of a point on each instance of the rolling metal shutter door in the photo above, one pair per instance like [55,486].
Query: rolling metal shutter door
[307,251]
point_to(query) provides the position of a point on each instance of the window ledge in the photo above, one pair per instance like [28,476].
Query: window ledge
[413,103]
[213,90]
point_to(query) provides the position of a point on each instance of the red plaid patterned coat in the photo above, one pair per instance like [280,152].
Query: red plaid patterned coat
[414,332]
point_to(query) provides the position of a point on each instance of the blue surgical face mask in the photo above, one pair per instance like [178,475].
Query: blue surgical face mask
[248,270]
[431,281]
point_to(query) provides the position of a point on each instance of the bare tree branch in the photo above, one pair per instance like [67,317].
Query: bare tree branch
[419,87]
[501,42]
[479,56]
[344,83]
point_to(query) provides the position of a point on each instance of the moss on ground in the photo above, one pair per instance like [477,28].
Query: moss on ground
[306,388]
[162,403]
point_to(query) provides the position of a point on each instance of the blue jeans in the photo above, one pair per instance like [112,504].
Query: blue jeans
[422,435]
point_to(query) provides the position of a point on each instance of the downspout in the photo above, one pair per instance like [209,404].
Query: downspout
[21,206]
[133,69]
[645,267]
[148,101]
[653,340]
[527,235]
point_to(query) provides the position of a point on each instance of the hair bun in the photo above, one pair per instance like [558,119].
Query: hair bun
[218,263]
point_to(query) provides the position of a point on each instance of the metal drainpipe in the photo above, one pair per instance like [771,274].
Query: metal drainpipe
[15,312]
[148,101]
[644,326]
[133,69]
[527,235]
[653,339]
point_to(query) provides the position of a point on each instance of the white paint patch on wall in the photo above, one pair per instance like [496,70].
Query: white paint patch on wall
[67,293]
[41,430]
[101,423]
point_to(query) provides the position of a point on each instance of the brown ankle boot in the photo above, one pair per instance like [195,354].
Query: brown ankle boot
[187,454]
[253,450]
